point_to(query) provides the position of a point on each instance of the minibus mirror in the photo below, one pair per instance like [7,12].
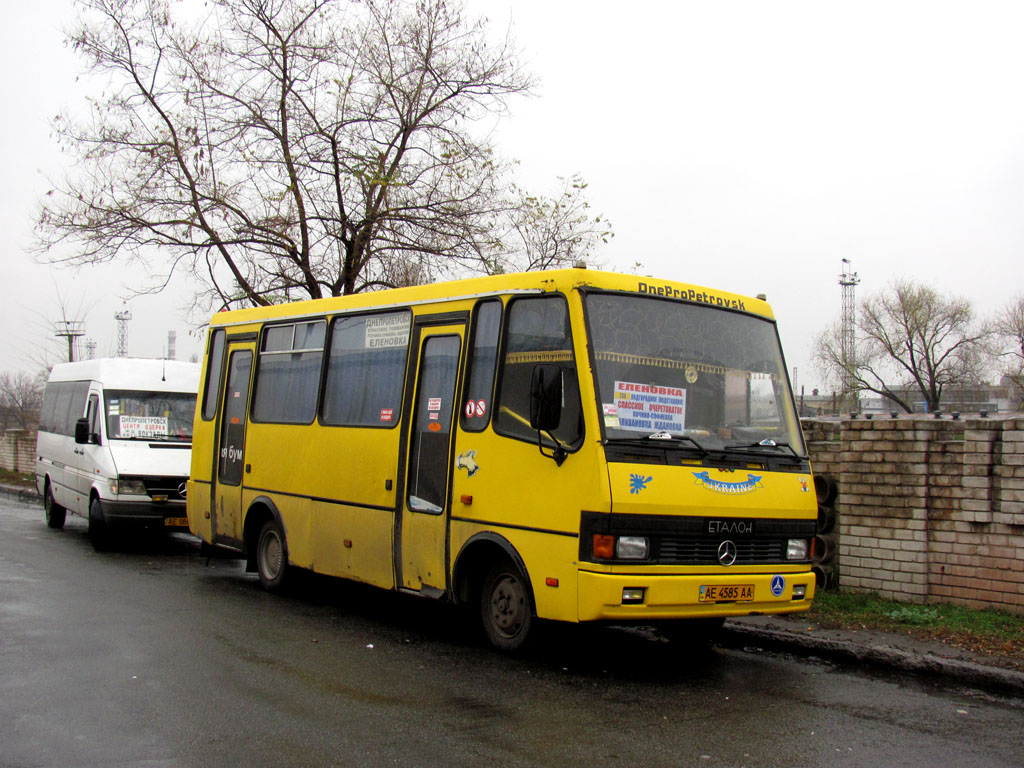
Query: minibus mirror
[82,431]
[546,398]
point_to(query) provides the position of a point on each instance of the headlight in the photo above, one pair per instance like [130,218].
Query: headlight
[796,549]
[620,547]
[128,486]
[631,547]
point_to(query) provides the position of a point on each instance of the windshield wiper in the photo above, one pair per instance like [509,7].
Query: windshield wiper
[661,436]
[766,443]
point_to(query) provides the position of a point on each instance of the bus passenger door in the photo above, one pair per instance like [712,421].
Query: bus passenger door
[226,509]
[422,533]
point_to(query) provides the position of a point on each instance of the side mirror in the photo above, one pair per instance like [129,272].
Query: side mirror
[82,431]
[546,398]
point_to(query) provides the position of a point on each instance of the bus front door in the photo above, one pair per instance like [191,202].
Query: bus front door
[421,535]
[227,496]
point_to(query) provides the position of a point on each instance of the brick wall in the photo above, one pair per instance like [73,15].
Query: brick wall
[18,450]
[930,510]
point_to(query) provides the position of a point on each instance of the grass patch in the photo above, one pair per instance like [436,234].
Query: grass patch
[983,631]
[21,479]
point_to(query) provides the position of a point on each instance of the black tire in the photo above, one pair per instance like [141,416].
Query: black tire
[272,557]
[55,514]
[99,531]
[506,609]
[827,516]
[692,633]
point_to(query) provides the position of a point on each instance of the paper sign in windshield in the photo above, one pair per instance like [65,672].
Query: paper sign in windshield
[386,331]
[143,426]
[650,408]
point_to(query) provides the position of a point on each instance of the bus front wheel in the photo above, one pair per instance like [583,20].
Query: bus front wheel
[505,608]
[272,556]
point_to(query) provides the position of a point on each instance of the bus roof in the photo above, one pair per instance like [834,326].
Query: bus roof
[134,373]
[563,280]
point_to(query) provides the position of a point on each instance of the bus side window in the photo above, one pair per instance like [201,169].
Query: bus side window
[213,374]
[288,373]
[537,332]
[483,358]
[366,370]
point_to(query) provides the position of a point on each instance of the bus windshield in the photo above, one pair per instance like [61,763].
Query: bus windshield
[136,415]
[712,378]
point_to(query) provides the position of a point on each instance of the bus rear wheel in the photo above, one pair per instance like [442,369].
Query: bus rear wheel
[55,513]
[505,608]
[272,556]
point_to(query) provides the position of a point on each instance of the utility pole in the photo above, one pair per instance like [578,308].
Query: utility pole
[70,330]
[848,280]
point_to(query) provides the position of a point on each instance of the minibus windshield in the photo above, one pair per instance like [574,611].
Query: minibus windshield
[137,415]
[690,374]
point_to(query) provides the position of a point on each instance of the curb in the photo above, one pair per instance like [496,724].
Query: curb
[738,635]
[24,495]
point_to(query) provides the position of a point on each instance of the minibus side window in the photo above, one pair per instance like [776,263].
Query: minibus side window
[366,370]
[537,333]
[47,414]
[288,373]
[213,374]
[483,357]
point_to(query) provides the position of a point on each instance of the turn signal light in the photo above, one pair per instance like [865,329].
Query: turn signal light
[604,547]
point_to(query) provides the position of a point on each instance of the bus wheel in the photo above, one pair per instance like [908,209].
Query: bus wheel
[99,531]
[55,513]
[505,608]
[272,556]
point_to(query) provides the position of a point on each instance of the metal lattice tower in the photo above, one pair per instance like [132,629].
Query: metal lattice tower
[122,318]
[848,350]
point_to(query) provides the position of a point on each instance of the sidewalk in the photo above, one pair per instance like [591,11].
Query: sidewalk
[882,650]
[798,635]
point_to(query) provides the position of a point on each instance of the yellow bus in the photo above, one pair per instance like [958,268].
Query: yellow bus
[572,445]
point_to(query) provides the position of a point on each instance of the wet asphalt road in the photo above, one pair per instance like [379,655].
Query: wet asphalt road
[153,657]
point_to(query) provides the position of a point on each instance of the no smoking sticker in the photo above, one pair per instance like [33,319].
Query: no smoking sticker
[475,408]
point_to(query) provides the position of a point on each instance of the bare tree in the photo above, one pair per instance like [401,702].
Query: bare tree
[277,149]
[909,338]
[539,232]
[1008,329]
[21,395]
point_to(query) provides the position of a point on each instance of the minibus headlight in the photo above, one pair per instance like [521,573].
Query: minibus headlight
[128,486]
[797,549]
[631,547]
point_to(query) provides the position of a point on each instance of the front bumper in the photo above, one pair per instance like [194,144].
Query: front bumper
[144,513]
[678,596]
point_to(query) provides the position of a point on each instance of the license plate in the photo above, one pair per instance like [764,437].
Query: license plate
[717,593]
[176,522]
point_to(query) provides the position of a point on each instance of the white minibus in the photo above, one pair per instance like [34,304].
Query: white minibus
[115,443]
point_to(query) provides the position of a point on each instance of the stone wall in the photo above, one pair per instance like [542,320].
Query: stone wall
[18,450]
[930,509]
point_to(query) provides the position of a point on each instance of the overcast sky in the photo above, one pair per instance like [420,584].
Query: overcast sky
[747,146]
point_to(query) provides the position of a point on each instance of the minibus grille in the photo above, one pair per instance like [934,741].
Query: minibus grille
[691,550]
[170,486]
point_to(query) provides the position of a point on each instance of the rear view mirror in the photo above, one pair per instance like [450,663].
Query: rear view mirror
[82,431]
[546,398]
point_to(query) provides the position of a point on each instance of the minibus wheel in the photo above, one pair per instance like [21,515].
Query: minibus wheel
[505,607]
[99,531]
[272,556]
[55,513]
